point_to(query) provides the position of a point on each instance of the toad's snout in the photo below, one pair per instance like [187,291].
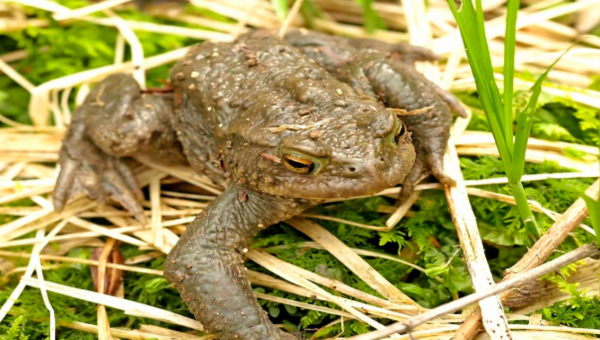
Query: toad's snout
[381,162]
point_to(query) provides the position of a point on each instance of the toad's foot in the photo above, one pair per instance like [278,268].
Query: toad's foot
[206,265]
[85,169]
[431,164]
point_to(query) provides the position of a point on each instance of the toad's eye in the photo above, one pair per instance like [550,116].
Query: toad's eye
[398,134]
[297,164]
[401,132]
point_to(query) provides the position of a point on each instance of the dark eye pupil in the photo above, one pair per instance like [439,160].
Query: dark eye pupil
[297,164]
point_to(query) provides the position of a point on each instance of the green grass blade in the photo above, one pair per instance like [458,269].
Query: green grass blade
[371,20]
[594,212]
[472,29]
[594,209]
[473,35]
[525,211]
[494,94]
[309,12]
[525,121]
[510,38]
[281,8]
[480,21]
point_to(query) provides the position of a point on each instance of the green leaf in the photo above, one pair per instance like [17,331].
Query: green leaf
[552,131]
[502,235]
[274,311]
[309,12]
[156,285]
[291,309]
[394,236]
[436,271]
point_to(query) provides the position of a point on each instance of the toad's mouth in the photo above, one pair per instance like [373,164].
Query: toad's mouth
[354,181]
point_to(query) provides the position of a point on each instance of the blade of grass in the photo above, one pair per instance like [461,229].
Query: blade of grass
[525,121]
[471,30]
[525,211]
[509,62]
[493,94]
[309,12]
[593,207]
[281,8]
[498,112]
[371,20]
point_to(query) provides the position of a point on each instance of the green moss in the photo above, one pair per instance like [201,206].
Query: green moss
[14,331]
[579,311]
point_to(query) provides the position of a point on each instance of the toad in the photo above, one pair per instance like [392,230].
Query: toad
[281,125]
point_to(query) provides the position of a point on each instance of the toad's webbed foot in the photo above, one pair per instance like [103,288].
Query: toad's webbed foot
[85,169]
[206,265]
[116,120]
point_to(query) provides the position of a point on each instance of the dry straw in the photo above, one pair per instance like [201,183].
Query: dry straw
[23,149]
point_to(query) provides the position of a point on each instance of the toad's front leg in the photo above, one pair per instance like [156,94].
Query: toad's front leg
[116,120]
[206,265]
[424,107]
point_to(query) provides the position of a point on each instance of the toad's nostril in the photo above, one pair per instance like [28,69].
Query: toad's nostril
[355,171]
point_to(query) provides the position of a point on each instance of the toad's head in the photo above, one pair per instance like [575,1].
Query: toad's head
[333,143]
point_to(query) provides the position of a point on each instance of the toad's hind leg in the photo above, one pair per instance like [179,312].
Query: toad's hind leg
[116,120]
[398,51]
[206,265]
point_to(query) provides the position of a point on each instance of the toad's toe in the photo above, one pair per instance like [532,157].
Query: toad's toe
[86,170]
[436,167]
